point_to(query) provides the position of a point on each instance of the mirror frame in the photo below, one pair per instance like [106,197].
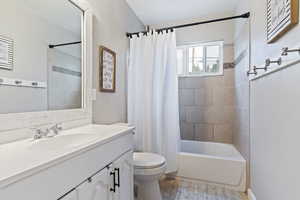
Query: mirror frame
[13,121]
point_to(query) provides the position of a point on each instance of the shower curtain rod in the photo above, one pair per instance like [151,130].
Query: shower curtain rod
[51,46]
[246,15]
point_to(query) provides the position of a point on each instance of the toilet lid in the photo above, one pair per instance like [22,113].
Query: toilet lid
[148,160]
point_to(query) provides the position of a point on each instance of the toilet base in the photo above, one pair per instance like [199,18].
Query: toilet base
[148,190]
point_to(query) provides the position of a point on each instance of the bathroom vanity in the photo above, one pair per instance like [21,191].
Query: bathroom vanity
[86,163]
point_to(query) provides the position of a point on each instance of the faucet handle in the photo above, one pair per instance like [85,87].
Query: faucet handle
[59,126]
[55,129]
[38,133]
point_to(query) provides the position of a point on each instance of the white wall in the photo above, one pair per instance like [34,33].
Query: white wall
[260,49]
[274,138]
[275,135]
[112,20]
[274,114]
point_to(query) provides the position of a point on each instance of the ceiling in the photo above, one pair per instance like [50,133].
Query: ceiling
[152,12]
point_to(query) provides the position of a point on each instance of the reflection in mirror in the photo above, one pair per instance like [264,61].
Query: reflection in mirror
[46,41]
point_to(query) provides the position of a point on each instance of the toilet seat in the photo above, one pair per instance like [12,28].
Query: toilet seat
[148,161]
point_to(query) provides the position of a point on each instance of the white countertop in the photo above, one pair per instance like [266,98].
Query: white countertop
[27,157]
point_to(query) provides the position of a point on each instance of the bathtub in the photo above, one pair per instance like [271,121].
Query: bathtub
[215,163]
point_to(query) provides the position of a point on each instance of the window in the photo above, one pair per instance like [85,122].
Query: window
[203,59]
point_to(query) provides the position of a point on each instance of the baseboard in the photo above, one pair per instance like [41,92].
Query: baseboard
[251,195]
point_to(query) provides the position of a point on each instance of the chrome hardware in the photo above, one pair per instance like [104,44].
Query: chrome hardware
[34,84]
[114,183]
[115,176]
[249,72]
[39,133]
[56,128]
[48,132]
[118,170]
[269,62]
[259,68]
[1,80]
[18,82]
[286,51]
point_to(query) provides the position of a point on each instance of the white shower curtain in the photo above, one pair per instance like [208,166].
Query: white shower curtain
[153,95]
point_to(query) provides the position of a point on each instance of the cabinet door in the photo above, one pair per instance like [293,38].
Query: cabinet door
[97,188]
[70,196]
[124,170]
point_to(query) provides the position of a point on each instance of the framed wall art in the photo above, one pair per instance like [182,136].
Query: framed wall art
[107,70]
[282,15]
[6,53]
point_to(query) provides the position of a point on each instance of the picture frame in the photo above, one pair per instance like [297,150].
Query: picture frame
[6,53]
[282,16]
[107,65]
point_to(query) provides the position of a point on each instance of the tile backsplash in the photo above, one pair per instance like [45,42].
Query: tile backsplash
[207,107]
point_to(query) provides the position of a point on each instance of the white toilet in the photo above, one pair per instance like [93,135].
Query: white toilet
[148,168]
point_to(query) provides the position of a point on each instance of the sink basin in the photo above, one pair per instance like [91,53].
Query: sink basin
[61,142]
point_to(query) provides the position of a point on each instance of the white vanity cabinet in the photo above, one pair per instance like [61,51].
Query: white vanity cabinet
[115,182]
[102,170]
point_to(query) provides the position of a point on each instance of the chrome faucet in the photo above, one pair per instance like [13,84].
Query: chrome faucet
[48,132]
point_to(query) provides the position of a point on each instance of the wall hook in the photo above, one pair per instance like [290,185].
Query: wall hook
[286,51]
[249,72]
[260,68]
[269,62]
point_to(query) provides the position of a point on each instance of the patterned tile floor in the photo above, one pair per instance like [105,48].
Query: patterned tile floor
[174,189]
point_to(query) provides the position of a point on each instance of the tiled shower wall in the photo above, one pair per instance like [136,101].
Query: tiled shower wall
[207,107]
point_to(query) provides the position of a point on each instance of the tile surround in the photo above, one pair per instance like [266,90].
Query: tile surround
[223,133]
[188,129]
[203,97]
[206,105]
[204,132]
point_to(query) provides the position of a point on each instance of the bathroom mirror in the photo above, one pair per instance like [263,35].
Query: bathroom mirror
[43,40]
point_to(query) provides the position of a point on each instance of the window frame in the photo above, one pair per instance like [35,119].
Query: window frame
[185,48]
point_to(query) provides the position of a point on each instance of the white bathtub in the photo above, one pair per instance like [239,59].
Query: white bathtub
[216,163]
